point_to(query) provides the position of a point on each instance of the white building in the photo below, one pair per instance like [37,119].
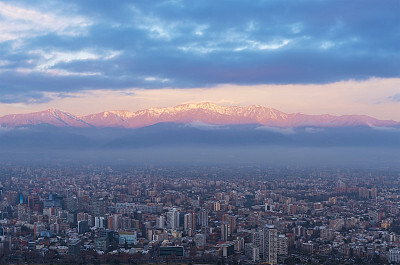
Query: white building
[252,252]
[394,255]
[200,240]
[99,222]
[173,219]
[282,245]
[160,222]
[202,217]
[266,240]
[224,231]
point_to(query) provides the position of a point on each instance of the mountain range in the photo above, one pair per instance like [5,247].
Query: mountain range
[200,133]
[201,113]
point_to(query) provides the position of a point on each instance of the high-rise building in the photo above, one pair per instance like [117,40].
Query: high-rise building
[81,216]
[71,204]
[98,206]
[189,221]
[253,219]
[160,222]
[363,193]
[113,222]
[282,245]
[147,230]
[224,231]
[266,240]
[232,224]
[55,228]
[252,251]
[83,226]
[374,193]
[217,206]
[228,249]
[200,240]
[100,222]
[34,202]
[203,217]
[173,219]
[239,244]
[394,255]
[269,207]
[74,247]
[13,197]
[127,237]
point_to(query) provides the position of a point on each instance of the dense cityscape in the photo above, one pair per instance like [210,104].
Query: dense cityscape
[198,215]
[200,132]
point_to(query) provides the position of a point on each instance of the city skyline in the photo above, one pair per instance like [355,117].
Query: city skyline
[200,132]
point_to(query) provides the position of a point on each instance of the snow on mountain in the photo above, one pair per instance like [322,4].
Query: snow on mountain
[206,112]
[51,116]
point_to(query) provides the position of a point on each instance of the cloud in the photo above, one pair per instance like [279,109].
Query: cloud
[50,62]
[285,131]
[203,126]
[395,98]
[26,97]
[152,78]
[90,45]
[19,23]
[385,129]
[4,130]
[313,130]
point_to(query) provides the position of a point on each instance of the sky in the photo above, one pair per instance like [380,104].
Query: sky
[315,56]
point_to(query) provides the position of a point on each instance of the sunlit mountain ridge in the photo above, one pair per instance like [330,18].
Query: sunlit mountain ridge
[207,113]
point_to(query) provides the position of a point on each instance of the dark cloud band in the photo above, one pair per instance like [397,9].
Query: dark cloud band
[184,44]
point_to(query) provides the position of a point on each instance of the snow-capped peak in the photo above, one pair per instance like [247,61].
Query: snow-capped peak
[205,112]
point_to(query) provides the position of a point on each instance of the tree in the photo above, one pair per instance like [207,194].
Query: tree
[292,261]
